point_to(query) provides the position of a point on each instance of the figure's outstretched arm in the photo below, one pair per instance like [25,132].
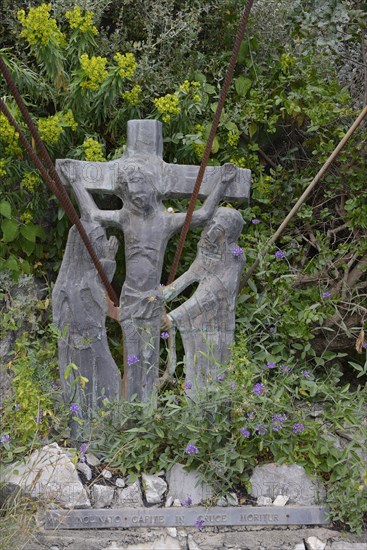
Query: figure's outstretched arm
[190,276]
[224,177]
[107,218]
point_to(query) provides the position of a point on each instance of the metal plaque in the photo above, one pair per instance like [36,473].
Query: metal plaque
[185,517]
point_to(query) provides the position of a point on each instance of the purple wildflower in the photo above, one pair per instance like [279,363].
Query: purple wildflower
[298,428]
[237,251]
[132,360]
[251,415]
[261,429]
[188,385]
[187,501]
[326,294]
[255,221]
[364,345]
[233,385]
[271,365]
[220,377]
[285,369]
[305,373]
[164,335]
[74,408]
[17,406]
[199,523]
[5,438]
[245,432]
[280,254]
[39,417]
[191,449]
[277,421]
[83,448]
[260,389]
[272,330]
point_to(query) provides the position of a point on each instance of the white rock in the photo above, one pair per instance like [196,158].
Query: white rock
[232,499]
[106,474]
[192,544]
[314,543]
[92,459]
[167,543]
[49,474]
[120,482]
[222,501]
[176,502]
[182,483]
[84,469]
[286,479]
[299,546]
[130,497]
[264,501]
[281,500]
[168,502]
[154,488]
[172,531]
[102,495]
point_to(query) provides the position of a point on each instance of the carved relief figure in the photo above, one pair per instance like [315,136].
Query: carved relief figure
[79,312]
[142,180]
[206,321]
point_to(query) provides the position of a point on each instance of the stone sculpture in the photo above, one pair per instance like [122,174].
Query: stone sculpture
[206,321]
[79,312]
[142,180]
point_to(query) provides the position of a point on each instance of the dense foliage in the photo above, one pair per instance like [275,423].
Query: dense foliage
[299,83]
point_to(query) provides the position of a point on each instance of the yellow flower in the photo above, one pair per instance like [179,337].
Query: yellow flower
[69,120]
[132,96]
[167,105]
[50,129]
[94,71]
[2,168]
[39,28]
[126,63]
[26,217]
[30,181]
[238,161]
[9,137]
[232,138]
[93,150]
[82,22]
[185,87]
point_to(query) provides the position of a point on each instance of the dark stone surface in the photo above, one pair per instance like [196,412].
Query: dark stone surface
[142,180]
[181,517]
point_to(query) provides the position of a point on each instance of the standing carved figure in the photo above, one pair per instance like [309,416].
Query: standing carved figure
[79,312]
[206,321]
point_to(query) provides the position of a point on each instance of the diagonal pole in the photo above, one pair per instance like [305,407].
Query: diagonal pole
[209,144]
[304,196]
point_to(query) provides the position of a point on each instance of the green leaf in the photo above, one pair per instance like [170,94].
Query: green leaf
[27,246]
[10,230]
[242,85]
[5,209]
[31,232]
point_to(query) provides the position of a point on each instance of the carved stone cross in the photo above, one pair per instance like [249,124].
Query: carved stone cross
[142,180]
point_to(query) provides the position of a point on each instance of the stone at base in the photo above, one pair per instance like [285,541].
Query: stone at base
[183,484]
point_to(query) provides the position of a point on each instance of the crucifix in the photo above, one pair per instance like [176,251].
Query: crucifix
[142,180]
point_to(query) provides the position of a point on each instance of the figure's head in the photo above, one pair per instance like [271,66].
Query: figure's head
[137,182]
[225,227]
